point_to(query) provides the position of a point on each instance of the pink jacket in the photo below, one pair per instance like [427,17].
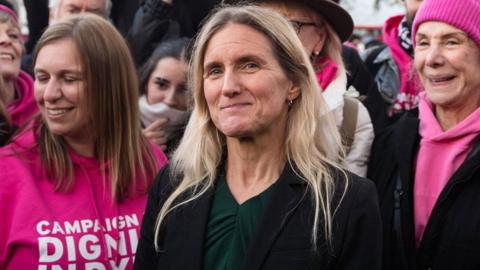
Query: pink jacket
[407,98]
[80,229]
[25,106]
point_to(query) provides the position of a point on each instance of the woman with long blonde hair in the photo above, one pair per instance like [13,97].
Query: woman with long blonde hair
[254,182]
[74,186]
[322,26]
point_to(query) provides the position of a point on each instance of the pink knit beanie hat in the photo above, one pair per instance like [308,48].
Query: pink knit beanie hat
[462,14]
[10,12]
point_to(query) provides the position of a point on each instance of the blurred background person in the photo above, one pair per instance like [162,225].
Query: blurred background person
[57,10]
[164,102]
[391,64]
[426,166]
[17,91]
[85,166]
[255,182]
[157,21]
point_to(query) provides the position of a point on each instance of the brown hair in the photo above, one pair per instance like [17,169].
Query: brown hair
[111,91]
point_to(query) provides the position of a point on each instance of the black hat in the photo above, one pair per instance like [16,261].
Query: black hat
[335,15]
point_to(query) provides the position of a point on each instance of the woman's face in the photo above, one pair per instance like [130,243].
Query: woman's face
[10,50]
[245,88]
[167,83]
[60,90]
[447,61]
[312,36]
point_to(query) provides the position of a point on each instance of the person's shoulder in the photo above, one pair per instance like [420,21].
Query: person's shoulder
[17,166]
[348,183]
[359,185]
[23,149]
[163,184]
[355,192]
[405,123]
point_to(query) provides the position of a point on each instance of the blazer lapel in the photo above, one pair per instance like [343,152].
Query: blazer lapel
[189,226]
[283,203]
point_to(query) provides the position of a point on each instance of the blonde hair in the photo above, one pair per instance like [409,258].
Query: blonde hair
[332,47]
[312,140]
[111,95]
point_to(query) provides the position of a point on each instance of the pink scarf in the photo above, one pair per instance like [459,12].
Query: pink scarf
[24,106]
[328,71]
[441,153]
[407,98]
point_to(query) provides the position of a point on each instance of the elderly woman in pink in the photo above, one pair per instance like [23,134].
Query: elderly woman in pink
[427,167]
[17,93]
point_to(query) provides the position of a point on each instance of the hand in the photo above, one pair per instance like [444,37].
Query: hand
[156,134]
[168,1]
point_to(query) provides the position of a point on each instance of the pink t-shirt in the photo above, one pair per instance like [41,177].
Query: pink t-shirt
[81,229]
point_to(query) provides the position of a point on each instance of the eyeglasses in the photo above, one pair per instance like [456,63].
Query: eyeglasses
[297,25]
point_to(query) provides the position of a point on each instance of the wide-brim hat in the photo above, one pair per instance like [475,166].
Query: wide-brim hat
[335,15]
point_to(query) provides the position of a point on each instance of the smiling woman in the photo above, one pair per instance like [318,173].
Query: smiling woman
[60,94]
[17,90]
[427,166]
[245,87]
[254,183]
[85,160]
[165,100]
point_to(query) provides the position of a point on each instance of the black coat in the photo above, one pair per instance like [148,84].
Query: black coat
[282,239]
[452,237]
[156,21]
[359,76]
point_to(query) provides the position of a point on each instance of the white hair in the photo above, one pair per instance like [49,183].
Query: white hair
[54,5]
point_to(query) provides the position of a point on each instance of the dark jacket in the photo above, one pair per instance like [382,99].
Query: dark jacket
[122,14]
[283,239]
[452,237]
[156,21]
[360,77]
[151,25]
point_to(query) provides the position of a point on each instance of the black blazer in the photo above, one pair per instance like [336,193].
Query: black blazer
[283,237]
[451,239]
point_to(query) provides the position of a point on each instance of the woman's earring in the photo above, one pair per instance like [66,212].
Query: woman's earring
[290,103]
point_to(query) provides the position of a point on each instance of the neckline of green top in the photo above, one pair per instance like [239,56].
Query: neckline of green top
[262,196]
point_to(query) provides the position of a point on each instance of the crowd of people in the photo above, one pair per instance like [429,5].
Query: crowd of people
[164,134]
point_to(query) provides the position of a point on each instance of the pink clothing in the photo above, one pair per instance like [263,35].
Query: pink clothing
[441,153]
[460,14]
[24,106]
[327,72]
[407,98]
[80,229]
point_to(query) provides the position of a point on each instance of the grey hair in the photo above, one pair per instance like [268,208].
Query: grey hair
[55,4]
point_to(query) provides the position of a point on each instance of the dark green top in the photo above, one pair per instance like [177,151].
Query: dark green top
[231,227]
